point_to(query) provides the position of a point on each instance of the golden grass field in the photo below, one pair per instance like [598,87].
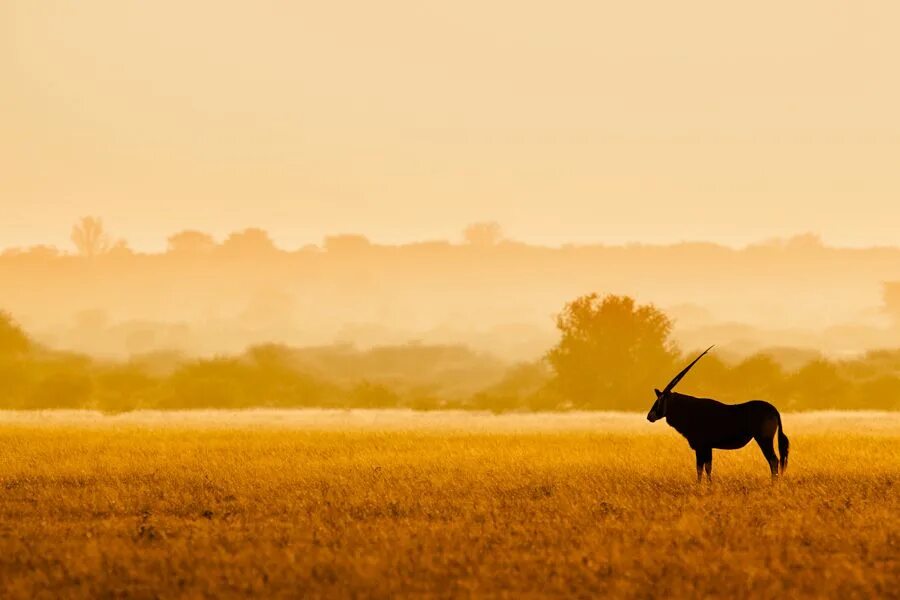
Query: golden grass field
[378,504]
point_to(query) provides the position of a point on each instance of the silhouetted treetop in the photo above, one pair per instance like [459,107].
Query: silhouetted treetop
[90,238]
[891,296]
[483,234]
[249,242]
[612,351]
[191,243]
[347,243]
[13,341]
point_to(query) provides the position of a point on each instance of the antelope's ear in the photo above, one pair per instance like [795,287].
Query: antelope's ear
[658,393]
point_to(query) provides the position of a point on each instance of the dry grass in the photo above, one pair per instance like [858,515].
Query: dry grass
[106,508]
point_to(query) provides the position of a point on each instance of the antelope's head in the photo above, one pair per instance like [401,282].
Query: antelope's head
[660,407]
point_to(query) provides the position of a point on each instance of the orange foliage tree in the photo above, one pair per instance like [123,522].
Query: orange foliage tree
[612,352]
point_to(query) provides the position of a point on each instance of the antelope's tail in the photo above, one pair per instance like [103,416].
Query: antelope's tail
[784,446]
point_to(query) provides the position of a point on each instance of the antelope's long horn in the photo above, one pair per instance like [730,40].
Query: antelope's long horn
[678,377]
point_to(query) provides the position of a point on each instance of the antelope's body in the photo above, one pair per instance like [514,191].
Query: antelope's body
[708,424]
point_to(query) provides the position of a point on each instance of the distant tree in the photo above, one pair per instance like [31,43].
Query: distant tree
[882,393]
[891,295]
[13,341]
[42,251]
[347,243]
[757,376]
[483,234]
[120,249]
[90,238]
[249,242]
[820,385]
[191,243]
[524,386]
[374,395]
[66,383]
[39,252]
[122,387]
[612,353]
[805,242]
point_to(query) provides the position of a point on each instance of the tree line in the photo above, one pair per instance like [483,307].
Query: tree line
[205,293]
[610,355]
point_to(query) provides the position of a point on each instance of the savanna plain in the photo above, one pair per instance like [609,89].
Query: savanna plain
[398,503]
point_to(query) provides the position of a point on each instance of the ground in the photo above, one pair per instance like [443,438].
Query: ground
[337,504]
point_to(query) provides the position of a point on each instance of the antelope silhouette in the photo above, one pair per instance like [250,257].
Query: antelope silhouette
[708,424]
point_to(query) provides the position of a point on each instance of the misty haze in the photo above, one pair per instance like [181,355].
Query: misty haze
[461,299]
[205,296]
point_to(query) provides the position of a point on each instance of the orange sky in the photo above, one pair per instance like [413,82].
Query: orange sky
[566,121]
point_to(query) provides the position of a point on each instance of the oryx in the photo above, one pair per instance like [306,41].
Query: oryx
[708,424]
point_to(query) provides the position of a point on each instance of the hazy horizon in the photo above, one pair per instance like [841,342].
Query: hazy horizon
[62,242]
[204,296]
[590,123]
[371,299]
[733,165]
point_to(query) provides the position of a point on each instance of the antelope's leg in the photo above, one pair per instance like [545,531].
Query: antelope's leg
[767,446]
[708,465]
[701,458]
